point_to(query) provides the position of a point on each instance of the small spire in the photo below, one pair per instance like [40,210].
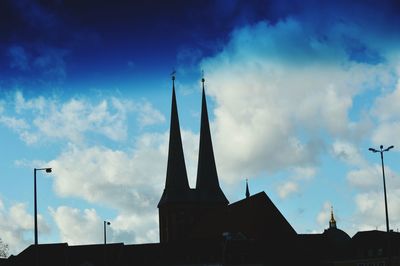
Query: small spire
[332,222]
[247,189]
[202,78]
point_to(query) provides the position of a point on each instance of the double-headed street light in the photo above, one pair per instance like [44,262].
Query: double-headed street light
[381,150]
[48,170]
[105,223]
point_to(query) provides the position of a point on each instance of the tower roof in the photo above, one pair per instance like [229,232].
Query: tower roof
[207,184]
[176,184]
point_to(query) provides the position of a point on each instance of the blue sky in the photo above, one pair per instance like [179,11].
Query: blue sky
[297,92]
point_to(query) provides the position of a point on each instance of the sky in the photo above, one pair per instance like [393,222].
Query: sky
[297,92]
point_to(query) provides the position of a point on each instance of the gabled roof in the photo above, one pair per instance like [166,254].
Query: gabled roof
[255,217]
[259,215]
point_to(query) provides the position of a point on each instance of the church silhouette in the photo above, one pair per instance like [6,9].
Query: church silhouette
[198,226]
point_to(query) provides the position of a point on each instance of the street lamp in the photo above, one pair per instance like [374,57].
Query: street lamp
[105,231]
[48,170]
[384,183]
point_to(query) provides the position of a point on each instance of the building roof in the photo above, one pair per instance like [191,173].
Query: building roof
[255,217]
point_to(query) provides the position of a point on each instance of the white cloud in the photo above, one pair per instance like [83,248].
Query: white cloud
[386,134]
[386,109]
[42,118]
[86,227]
[101,173]
[367,179]
[21,127]
[148,115]
[130,182]
[287,189]
[297,176]
[370,212]
[284,94]
[78,227]
[97,174]
[16,226]
[276,102]
[324,215]
[303,173]
[21,104]
[134,228]
[75,117]
[348,153]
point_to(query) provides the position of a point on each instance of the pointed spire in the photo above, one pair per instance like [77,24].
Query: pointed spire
[332,222]
[247,189]
[176,183]
[207,178]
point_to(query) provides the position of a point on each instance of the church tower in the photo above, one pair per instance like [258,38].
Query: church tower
[207,185]
[177,193]
[181,207]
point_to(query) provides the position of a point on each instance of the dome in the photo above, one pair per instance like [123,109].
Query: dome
[336,235]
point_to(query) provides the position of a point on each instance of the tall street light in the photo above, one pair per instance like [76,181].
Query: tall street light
[105,223]
[384,183]
[48,170]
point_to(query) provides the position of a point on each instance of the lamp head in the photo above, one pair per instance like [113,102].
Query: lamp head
[388,148]
[372,149]
[48,170]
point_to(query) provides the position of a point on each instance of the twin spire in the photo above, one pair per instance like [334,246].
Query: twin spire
[176,168]
[177,188]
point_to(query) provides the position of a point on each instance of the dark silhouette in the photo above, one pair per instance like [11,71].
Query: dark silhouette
[247,189]
[105,223]
[381,151]
[199,227]
[48,170]
[180,207]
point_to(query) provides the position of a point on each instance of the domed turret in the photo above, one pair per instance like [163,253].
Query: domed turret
[333,233]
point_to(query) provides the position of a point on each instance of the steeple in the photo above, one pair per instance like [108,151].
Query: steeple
[332,222]
[176,184]
[207,184]
[247,189]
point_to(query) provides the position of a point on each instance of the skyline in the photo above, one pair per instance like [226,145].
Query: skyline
[297,92]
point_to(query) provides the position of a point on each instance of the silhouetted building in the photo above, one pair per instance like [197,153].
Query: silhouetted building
[180,206]
[325,248]
[198,226]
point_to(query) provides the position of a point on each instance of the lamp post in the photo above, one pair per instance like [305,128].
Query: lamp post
[105,223]
[48,170]
[381,150]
